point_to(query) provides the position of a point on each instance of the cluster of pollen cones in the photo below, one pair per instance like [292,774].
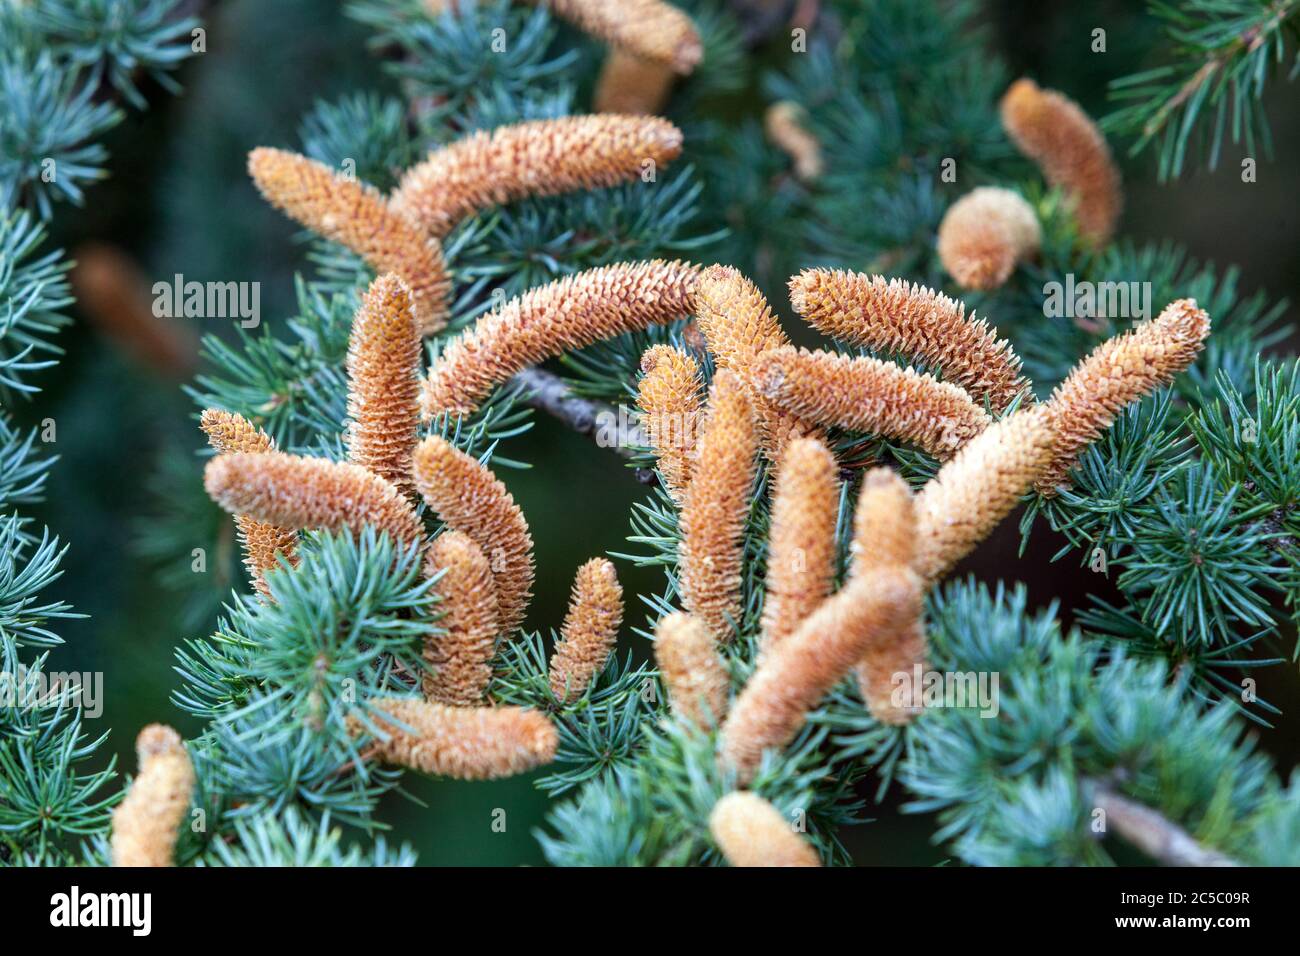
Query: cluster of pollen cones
[768,408]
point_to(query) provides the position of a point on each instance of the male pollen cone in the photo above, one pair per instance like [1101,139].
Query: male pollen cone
[632,85]
[884,537]
[589,632]
[470,498]
[1052,130]
[789,682]
[356,216]
[291,491]
[262,543]
[801,547]
[870,396]
[669,397]
[692,670]
[460,658]
[716,508]
[895,316]
[961,504]
[464,743]
[651,29]
[985,234]
[383,381]
[535,158]
[1119,371]
[551,320]
[751,832]
[739,327]
[148,820]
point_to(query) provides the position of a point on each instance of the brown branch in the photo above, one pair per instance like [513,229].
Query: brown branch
[1152,833]
[547,392]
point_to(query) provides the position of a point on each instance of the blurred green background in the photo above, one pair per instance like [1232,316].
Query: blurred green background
[180,201]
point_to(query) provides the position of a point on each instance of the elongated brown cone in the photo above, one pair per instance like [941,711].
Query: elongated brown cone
[784,123]
[589,632]
[356,215]
[295,492]
[1121,370]
[985,235]
[867,395]
[717,504]
[751,832]
[884,537]
[739,327]
[692,671]
[801,547]
[469,498]
[536,158]
[896,316]
[460,658]
[651,29]
[871,609]
[262,543]
[384,381]
[147,822]
[669,396]
[1062,139]
[465,743]
[553,319]
[960,505]
[632,85]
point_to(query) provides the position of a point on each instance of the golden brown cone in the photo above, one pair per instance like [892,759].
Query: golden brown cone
[651,29]
[985,234]
[784,123]
[262,543]
[716,507]
[870,610]
[550,320]
[669,397]
[460,658]
[147,822]
[356,215]
[469,498]
[465,743]
[1123,369]
[739,327]
[112,290]
[1062,139]
[870,396]
[693,673]
[632,85]
[884,523]
[384,381]
[896,316]
[884,536]
[801,546]
[960,505]
[751,832]
[589,632]
[291,491]
[535,158]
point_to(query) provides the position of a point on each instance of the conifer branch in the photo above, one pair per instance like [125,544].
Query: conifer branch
[1152,833]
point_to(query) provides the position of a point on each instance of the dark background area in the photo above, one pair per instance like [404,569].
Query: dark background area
[179,200]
